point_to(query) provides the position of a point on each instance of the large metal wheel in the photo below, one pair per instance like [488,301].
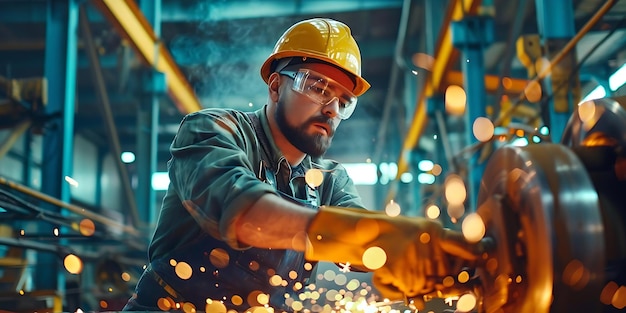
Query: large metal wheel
[542,210]
[597,119]
[596,133]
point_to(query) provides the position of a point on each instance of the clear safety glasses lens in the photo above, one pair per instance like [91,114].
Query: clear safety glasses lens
[323,90]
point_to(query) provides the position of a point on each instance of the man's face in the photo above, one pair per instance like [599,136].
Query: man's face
[307,125]
[305,135]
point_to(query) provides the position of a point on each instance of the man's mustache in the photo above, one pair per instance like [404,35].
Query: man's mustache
[323,120]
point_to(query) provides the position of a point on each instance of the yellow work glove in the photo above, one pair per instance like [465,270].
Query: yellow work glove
[415,249]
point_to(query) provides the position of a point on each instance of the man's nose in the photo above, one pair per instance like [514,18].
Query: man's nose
[331,108]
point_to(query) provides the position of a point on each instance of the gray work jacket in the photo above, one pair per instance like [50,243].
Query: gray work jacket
[217,170]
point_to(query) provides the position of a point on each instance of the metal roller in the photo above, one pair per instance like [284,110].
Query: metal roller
[596,133]
[595,120]
[540,206]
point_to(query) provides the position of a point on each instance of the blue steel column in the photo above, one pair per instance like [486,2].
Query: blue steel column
[60,72]
[556,26]
[471,35]
[433,17]
[147,125]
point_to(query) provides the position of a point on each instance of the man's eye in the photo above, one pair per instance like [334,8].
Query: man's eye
[317,89]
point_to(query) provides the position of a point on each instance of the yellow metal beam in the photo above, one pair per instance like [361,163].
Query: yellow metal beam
[492,82]
[126,16]
[445,56]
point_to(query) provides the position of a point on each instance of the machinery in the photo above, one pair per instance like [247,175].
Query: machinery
[557,215]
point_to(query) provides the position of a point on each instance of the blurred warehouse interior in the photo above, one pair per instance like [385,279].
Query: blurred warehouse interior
[92,92]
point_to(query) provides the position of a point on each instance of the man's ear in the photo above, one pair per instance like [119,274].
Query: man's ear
[273,83]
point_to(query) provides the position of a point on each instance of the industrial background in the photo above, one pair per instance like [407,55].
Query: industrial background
[92,92]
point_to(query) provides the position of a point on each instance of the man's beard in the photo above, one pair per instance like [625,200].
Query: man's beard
[314,145]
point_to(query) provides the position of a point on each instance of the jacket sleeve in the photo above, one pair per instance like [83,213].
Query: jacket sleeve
[212,170]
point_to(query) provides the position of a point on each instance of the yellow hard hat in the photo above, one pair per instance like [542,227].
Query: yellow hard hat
[322,39]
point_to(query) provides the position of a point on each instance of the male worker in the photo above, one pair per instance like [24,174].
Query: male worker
[240,210]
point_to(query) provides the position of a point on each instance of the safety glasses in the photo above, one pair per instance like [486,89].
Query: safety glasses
[322,90]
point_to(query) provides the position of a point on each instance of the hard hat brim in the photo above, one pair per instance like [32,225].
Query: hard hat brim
[360,87]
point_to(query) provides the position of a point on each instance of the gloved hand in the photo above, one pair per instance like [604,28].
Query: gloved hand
[416,248]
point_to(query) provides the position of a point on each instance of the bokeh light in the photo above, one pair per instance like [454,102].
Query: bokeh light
[297,306]
[433,211]
[341,279]
[73,264]
[455,191]
[455,100]
[293,274]
[71,181]
[463,277]
[392,208]
[619,298]
[473,227]
[423,60]
[314,177]
[298,285]
[214,306]
[533,91]
[329,275]
[236,300]
[219,258]
[575,274]
[455,211]
[586,110]
[425,165]
[189,307]
[466,303]
[87,227]
[542,65]
[183,270]
[308,266]
[353,284]
[165,304]
[607,292]
[437,169]
[253,298]
[374,258]
[483,129]
[276,280]
[263,298]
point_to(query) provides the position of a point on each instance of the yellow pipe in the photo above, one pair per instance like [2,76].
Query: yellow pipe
[132,24]
[491,82]
[445,57]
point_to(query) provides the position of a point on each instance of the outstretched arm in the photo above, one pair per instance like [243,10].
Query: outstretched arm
[272,222]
